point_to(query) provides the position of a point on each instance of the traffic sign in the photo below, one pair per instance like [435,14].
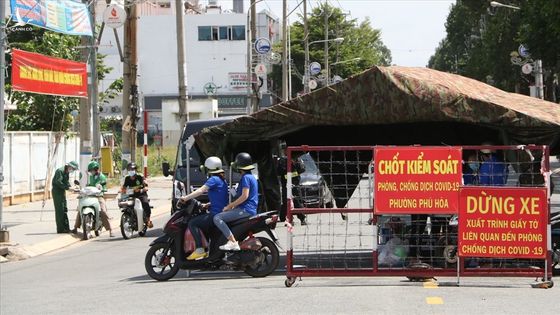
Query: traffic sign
[527,68]
[262,46]
[337,79]
[260,69]
[314,68]
[273,58]
[523,51]
[114,16]
[312,84]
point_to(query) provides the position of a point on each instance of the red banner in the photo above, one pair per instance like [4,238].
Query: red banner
[416,180]
[32,72]
[503,222]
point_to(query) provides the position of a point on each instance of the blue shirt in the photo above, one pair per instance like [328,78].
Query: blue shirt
[492,172]
[251,203]
[217,193]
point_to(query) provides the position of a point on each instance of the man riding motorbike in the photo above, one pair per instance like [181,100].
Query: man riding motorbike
[96,179]
[217,189]
[140,186]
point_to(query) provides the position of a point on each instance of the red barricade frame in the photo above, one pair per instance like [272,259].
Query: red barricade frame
[412,272]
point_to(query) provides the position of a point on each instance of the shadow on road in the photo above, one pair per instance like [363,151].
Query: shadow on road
[200,276]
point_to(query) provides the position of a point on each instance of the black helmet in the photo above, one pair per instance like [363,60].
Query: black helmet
[243,161]
[131,166]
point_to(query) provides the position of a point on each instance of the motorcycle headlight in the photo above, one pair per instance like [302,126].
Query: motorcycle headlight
[125,203]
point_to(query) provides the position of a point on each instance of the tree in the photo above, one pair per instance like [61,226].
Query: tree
[37,111]
[360,41]
[480,40]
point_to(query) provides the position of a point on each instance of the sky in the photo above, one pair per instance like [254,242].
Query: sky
[411,29]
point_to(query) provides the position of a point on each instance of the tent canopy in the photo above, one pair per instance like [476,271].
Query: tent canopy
[393,105]
[386,106]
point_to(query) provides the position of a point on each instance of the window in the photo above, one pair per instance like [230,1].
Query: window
[235,32]
[204,33]
[215,32]
[238,32]
[224,33]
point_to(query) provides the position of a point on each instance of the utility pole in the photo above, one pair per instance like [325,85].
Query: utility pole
[285,95]
[4,234]
[181,64]
[85,111]
[255,85]
[326,44]
[130,86]
[539,82]
[94,83]
[306,72]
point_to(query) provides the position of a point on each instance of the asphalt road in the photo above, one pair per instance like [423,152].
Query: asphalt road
[107,276]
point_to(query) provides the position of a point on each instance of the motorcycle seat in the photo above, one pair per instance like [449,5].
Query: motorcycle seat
[256,216]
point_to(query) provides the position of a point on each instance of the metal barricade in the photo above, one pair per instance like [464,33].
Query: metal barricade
[344,237]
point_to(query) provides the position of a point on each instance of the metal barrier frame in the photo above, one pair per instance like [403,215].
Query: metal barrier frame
[292,273]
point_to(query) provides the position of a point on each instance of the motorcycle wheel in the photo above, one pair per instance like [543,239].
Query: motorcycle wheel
[87,223]
[127,226]
[160,257]
[270,261]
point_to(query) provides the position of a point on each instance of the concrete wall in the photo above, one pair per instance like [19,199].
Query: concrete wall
[207,61]
[28,167]
[198,109]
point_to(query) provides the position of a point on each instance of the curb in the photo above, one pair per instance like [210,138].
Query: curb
[62,241]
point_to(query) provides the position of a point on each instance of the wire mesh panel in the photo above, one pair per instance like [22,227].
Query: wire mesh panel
[335,193]
[332,192]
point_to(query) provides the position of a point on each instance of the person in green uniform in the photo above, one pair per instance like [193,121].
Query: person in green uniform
[60,183]
[99,180]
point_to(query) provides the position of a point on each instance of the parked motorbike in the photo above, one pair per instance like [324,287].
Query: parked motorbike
[258,257]
[88,206]
[133,218]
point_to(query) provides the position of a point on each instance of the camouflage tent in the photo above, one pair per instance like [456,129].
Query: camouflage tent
[390,106]
[393,105]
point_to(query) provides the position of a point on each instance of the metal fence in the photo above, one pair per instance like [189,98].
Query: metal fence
[345,237]
[30,159]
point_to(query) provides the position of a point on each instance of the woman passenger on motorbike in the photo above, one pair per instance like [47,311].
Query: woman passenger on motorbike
[217,189]
[245,203]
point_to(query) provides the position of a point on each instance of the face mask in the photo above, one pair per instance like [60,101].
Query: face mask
[473,166]
[131,173]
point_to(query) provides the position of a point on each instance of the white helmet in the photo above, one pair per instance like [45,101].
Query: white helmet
[213,165]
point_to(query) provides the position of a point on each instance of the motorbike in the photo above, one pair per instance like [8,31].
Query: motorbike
[88,206]
[132,217]
[258,257]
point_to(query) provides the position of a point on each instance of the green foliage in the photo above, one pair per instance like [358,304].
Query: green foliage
[360,41]
[156,155]
[37,111]
[480,40]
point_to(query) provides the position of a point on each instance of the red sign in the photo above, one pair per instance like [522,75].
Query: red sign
[503,222]
[417,180]
[32,72]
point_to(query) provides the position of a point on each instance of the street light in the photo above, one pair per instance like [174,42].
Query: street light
[539,82]
[337,40]
[496,4]
[346,61]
